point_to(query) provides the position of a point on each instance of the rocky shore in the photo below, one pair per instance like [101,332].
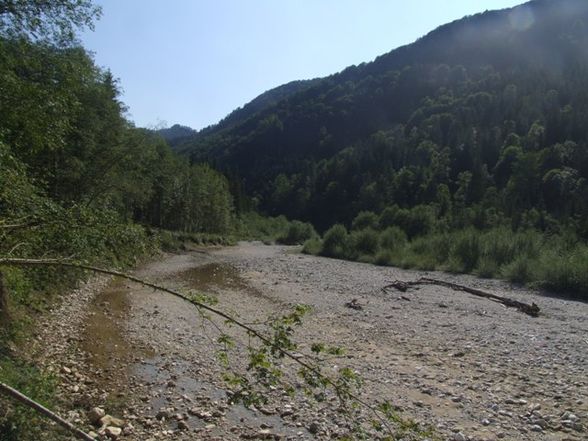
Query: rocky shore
[466,367]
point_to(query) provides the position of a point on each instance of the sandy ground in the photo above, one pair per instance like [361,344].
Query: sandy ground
[468,367]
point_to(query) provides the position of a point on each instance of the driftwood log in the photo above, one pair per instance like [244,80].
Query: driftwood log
[532,309]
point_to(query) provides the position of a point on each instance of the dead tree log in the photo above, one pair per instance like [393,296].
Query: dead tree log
[532,309]
[13,393]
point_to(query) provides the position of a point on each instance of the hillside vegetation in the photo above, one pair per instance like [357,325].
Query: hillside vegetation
[77,181]
[479,125]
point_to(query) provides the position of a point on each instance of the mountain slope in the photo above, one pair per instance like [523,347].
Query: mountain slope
[462,110]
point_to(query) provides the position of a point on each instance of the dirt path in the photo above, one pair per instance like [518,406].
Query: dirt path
[468,367]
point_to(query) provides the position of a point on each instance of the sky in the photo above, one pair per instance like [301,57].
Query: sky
[192,62]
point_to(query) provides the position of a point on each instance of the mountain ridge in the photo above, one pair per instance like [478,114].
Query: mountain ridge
[466,89]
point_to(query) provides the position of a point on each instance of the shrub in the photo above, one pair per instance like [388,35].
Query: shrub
[392,238]
[365,219]
[336,242]
[384,258]
[466,251]
[297,233]
[312,246]
[520,270]
[388,216]
[565,272]
[364,242]
[420,221]
[487,267]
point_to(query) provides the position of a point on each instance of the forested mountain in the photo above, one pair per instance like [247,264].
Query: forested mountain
[175,133]
[481,120]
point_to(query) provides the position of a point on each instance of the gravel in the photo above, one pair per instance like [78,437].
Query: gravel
[468,367]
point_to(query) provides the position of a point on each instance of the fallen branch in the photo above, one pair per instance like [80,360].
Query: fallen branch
[532,309]
[250,330]
[13,393]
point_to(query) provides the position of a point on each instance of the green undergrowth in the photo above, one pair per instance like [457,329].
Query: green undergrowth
[555,262]
[18,422]
[269,230]
[180,241]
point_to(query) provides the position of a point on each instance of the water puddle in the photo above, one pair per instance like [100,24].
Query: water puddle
[217,277]
[103,336]
[189,388]
[170,380]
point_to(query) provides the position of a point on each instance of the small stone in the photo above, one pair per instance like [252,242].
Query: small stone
[485,422]
[96,414]
[113,432]
[108,420]
[459,437]
[129,429]
[182,425]
[163,413]
[314,428]
[535,428]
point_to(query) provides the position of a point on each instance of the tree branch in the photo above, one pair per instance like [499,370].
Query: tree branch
[13,393]
[532,309]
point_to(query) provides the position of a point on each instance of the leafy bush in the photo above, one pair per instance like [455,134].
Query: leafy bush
[297,233]
[466,251]
[364,242]
[336,242]
[18,422]
[565,272]
[365,219]
[487,267]
[312,246]
[388,216]
[392,238]
[521,270]
[253,226]
[384,258]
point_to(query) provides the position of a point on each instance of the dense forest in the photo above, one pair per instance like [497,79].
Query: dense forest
[77,181]
[478,125]
[465,151]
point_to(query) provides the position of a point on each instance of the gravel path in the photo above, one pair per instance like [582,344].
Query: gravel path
[468,367]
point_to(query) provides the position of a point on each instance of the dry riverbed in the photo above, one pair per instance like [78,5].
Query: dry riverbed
[466,366]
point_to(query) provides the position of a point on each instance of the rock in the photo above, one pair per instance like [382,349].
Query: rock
[569,416]
[108,420]
[182,425]
[163,413]
[129,429]
[314,428]
[535,428]
[459,437]
[96,414]
[113,432]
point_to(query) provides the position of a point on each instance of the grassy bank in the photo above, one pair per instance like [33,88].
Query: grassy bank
[553,262]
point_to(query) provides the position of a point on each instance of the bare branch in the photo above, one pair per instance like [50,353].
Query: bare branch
[13,393]
[532,310]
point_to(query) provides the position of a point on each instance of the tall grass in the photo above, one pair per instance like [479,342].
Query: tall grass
[556,263]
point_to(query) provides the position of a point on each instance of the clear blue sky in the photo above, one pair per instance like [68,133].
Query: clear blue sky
[193,61]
